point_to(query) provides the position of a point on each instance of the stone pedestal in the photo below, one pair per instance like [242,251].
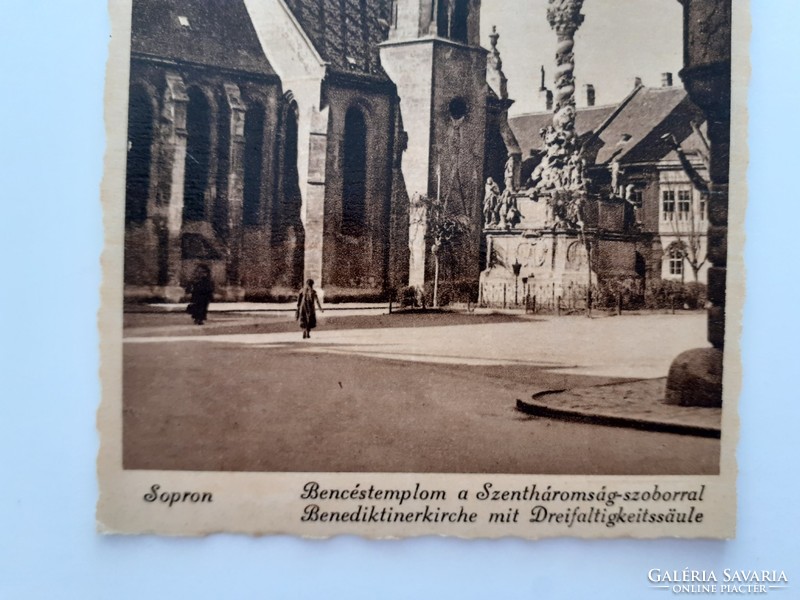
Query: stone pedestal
[551,265]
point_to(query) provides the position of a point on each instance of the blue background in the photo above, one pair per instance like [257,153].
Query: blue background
[52,60]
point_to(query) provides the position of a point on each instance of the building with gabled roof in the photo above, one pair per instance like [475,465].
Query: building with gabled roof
[633,154]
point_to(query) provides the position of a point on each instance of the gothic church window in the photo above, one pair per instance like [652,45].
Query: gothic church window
[253,163]
[220,212]
[140,141]
[355,173]
[198,156]
[452,20]
[459,25]
[442,18]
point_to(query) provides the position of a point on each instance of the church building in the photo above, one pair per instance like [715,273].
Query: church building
[280,140]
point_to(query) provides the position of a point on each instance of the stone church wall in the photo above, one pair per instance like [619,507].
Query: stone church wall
[356,258]
[163,245]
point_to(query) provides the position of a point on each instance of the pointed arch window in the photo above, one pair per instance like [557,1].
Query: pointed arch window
[198,156]
[452,20]
[140,142]
[354,194]
[459,28]
[253,163]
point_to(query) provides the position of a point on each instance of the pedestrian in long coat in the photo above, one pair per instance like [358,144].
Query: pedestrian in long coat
[201,292]
[306,312]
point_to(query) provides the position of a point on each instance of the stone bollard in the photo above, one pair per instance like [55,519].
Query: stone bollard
[694,378]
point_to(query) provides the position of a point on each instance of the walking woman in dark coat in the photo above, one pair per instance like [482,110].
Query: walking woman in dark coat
[202,291]
[306,313]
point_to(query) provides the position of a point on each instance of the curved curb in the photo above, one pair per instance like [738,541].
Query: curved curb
[543,410]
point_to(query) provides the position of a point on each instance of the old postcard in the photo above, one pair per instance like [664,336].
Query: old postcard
[423,267]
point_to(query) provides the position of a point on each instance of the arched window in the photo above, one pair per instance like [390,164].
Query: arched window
[676,261]
[452,20]
[459,28]
[355,173]
[198,154]
[140,141]
[220,212]
[253,163]
[442,18]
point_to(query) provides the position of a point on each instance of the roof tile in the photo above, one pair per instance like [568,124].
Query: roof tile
[346,33]
[218,34]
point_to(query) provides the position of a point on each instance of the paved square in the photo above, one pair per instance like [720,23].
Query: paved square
[394,393]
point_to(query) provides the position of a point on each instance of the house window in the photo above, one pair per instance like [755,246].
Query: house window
[703,204]
[637,199]
[668,205]
[676,262]
[684,204]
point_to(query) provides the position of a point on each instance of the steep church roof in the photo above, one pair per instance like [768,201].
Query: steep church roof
[214,33]
[346,33]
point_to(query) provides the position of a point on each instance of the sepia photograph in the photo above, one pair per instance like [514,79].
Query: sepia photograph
[423,237]
[399,298]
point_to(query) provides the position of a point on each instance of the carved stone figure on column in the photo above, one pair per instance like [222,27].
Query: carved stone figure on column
[510,214]
[615,173]
[576,169]
[508,174]
[490,201]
